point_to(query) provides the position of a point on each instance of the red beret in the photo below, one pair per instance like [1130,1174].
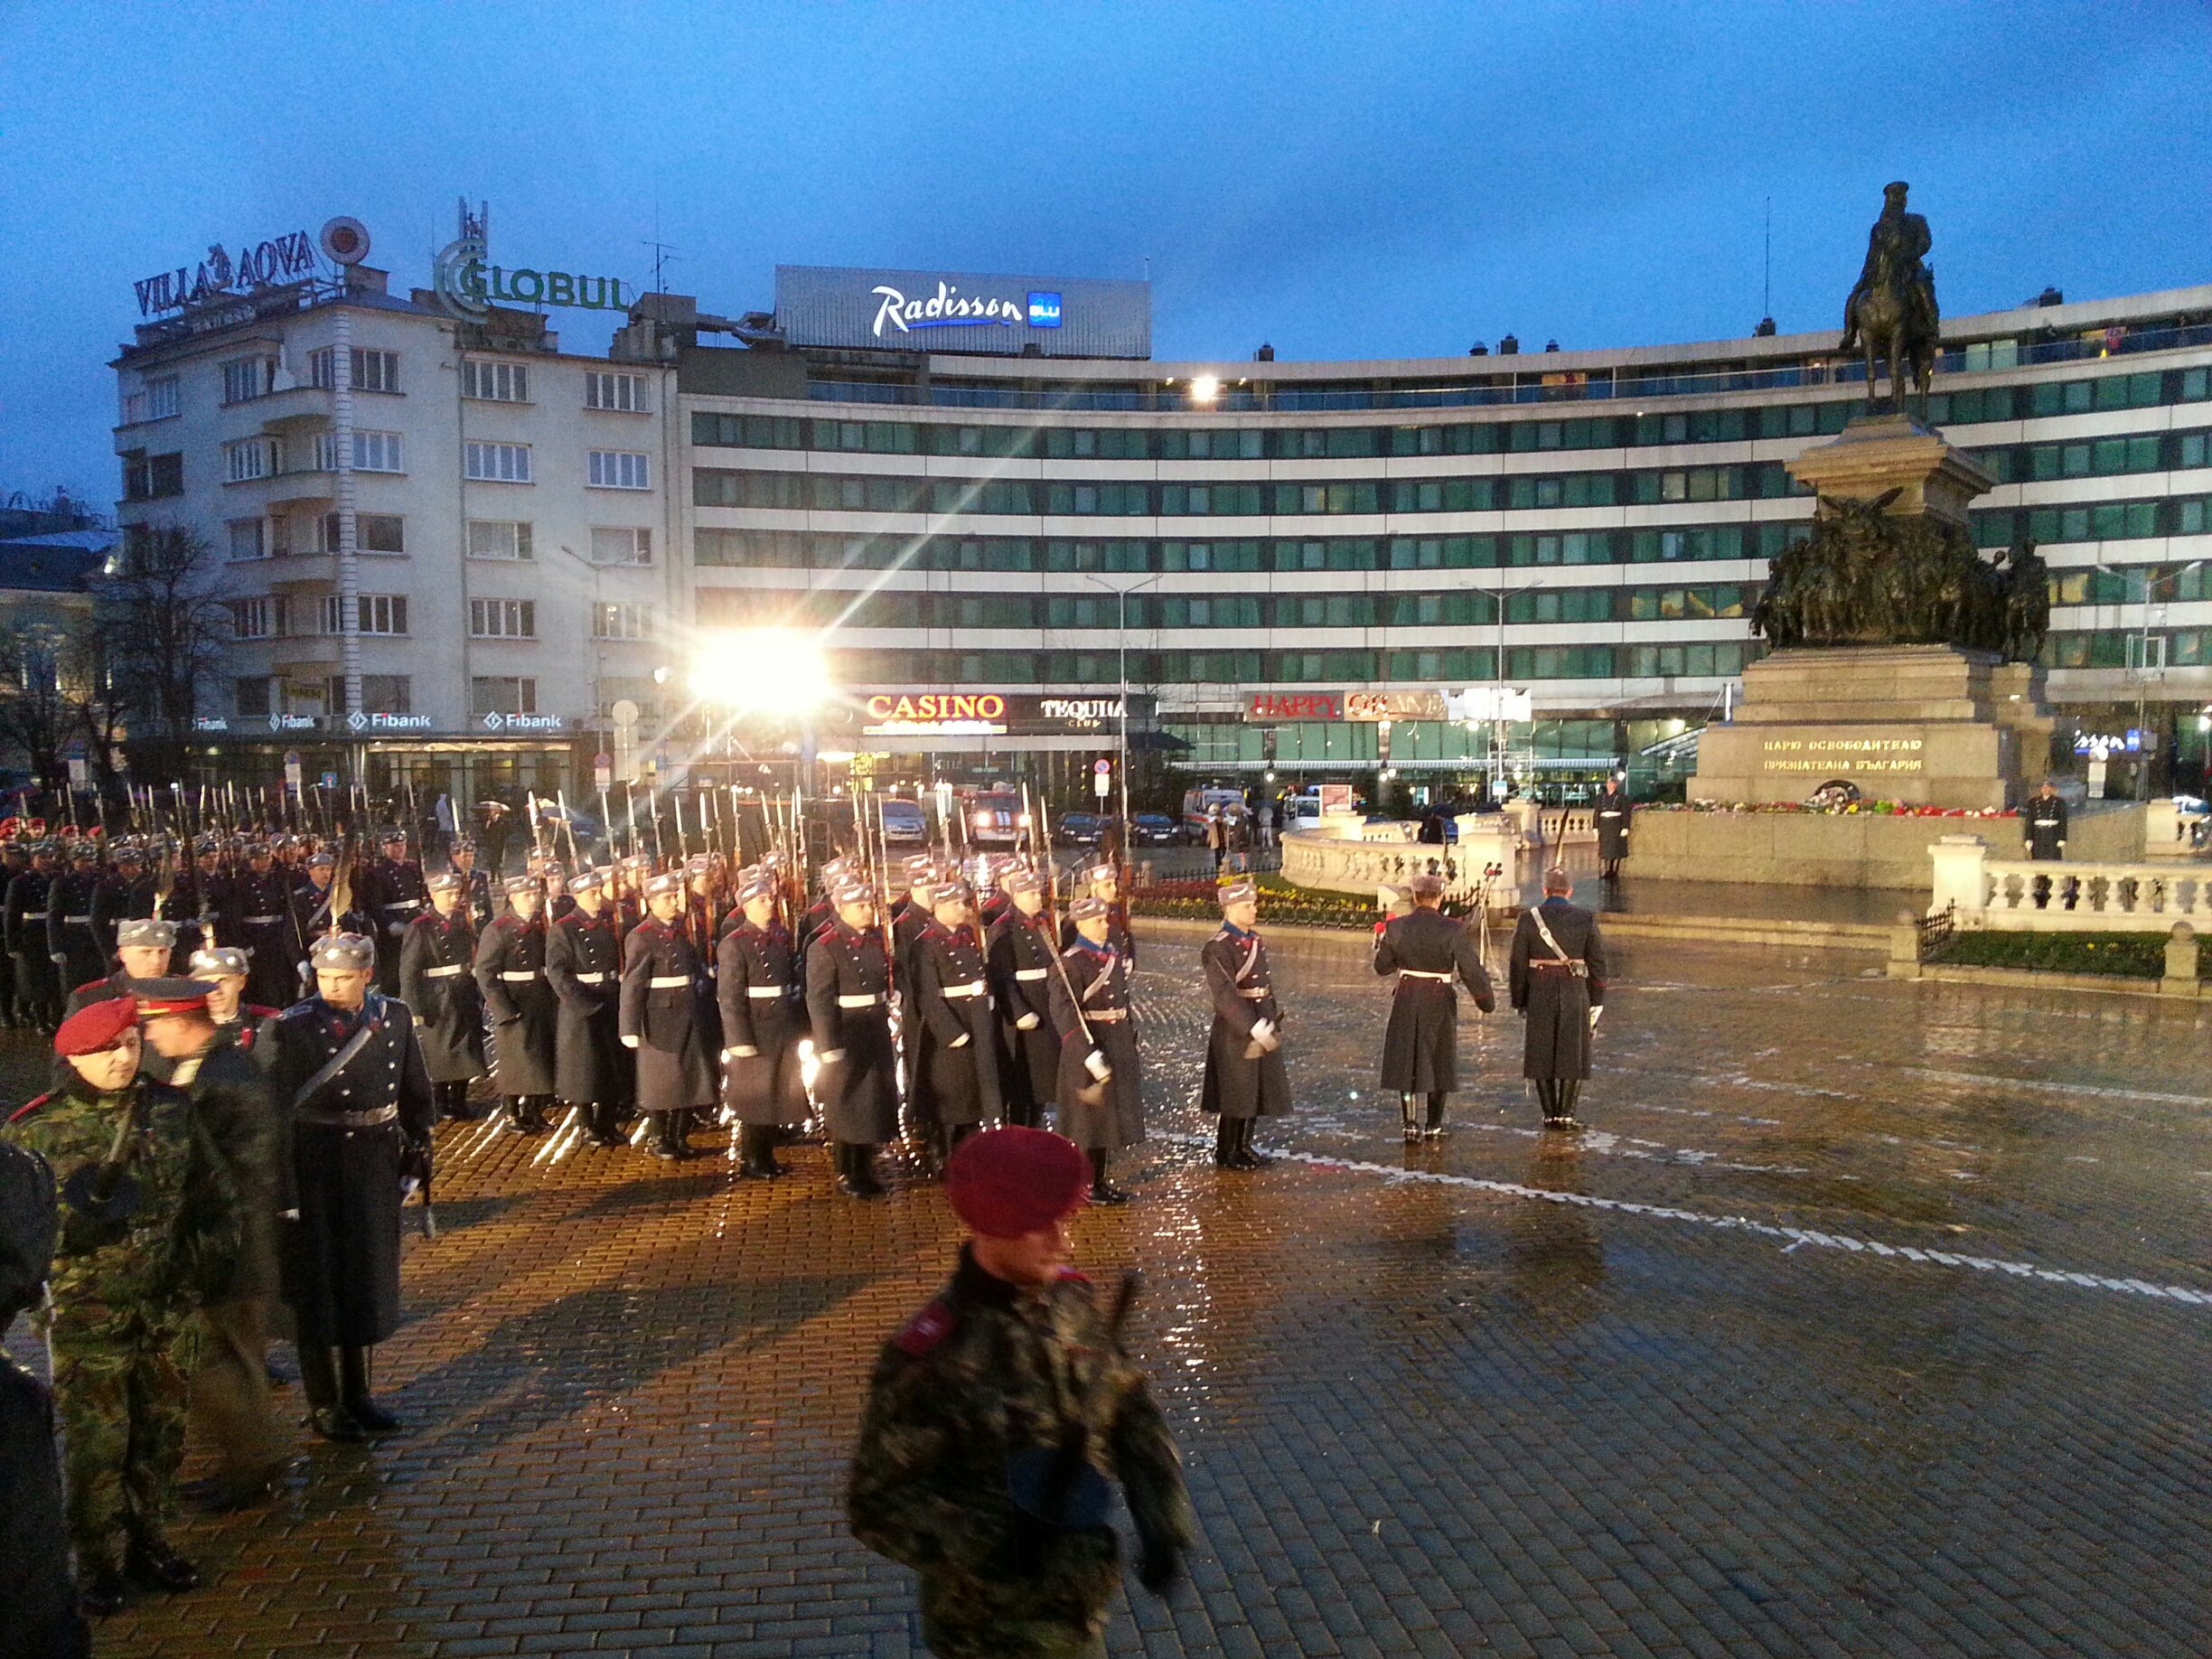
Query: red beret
[96,1025]
[1004,1182]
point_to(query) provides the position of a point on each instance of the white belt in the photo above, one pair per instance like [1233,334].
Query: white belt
[972,989]
[442,973]
[1031,973]
[1423,973]
[80,921]
[34,915]
[764,990]
[1256,994]
[519,973]
[669,981]
[403,904]
[868,1001]
[251,921]
[590,979]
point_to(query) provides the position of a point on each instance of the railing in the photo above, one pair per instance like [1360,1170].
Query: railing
[2057,896]
[1482,866]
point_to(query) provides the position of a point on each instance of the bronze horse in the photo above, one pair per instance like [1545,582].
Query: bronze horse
[1891,314]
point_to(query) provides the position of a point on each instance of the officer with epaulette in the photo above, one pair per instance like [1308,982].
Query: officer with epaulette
[142,1213]
[1101,1085]
[38,988]
[72,944]
[392,895]
[261,920]
[763,1017]
[1020,953]
[510,974]
[955,1038]
[997,1415]
[659,1019]
[848,998]
[1245,1078]
[1430,953]
[349,1081]
[590,1069]
[438,961]
[1558,984]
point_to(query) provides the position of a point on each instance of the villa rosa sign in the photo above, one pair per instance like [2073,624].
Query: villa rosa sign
[283,259]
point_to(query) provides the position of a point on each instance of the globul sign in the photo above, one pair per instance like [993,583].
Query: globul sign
[283,259]
[467,284]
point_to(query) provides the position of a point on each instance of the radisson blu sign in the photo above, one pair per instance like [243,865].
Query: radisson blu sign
[962,311]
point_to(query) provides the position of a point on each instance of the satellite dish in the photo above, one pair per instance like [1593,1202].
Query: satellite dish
[345,241]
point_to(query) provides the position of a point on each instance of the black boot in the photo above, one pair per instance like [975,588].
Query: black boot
[149,1561]
[1412,1123]
[600,1125]
[1569,1096]
[752,1161]
[1103,1191]
[319,1383]
[99,1591]
[353,1390]
[668,1138]
[521,1115]
[1436,1129]
[1225,1143]
[859,1179]
[1248,1156]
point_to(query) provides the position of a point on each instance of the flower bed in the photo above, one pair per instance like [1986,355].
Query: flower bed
[2136,956]
[1280,902]
[1874,809]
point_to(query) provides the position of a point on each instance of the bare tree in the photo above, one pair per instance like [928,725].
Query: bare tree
[38,713]
[161,632]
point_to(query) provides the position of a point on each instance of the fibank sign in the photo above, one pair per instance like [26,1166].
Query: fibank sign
[962,311]
[950,308]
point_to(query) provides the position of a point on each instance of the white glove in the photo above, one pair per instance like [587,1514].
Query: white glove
[1594,1013]
[959,1042]
[1027,1022]
[1095,1064]
[1263,1036]
[58,958]
[832,1058]
[397,929]
[741,1051]
[629,1042]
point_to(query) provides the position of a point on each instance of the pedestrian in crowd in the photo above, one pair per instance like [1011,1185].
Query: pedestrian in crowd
[1431,954]
[1216,838]
[510,955]
[956,1063]
[659,1019]
[144,1212]
[847,986]
[1101,1085]
[39,1615]
[496,823]
[1610,816]
[1245,1077]
[1267,824]
[347,1072]
[592,1070]
[232,1411]
[980,1405]
[437,982]
[1020,952]
[2045,820]
[1558,980]
[764,1019]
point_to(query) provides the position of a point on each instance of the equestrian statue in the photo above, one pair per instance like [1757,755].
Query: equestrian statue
[1891,314]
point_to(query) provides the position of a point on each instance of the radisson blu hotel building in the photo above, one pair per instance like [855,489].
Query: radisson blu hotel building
[999,511]
[988,485]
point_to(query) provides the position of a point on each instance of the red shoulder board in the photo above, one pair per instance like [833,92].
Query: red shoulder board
[30,1106]
[92,985]
[254,1010]
[925,1330]
[1068,1275]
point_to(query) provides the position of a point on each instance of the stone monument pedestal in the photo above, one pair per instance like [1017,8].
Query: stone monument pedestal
[1920,725]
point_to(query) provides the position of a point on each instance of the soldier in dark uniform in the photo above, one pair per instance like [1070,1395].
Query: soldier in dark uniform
[763,1017]
[1101,880]
[126,894]
[1429,951]
[559,898]
[661,1019]
[475,884]
[241,1024]
[201,899]
[510,955]
[955,1035]
[261,921]
[2045,820]
[391,895]
[1010,1368]
[1610,816]
[438,982]
[584,962]
[1101,1085]
[145,947]
[1020,956]
[1558,984]
[307,914]
[72,944]
[910,917]
[848,986]
[1245,1077]
[38,986]
[142,1216]
[349,1081]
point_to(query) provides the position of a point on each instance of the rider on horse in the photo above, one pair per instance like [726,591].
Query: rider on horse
[1897,241]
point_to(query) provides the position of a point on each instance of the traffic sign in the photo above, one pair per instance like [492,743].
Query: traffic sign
[1102,778]
[603,770]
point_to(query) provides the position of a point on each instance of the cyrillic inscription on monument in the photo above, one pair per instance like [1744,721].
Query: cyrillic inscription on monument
[1841,754]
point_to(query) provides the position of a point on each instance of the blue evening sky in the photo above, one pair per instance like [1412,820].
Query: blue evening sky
[1343,181]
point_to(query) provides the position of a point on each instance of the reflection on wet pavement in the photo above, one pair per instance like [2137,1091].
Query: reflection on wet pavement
[1868,1319]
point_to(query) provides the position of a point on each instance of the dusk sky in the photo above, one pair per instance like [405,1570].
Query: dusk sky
[1341,181]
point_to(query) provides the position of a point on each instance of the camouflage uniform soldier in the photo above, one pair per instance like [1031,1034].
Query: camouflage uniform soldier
[145,1217]
[994,1418]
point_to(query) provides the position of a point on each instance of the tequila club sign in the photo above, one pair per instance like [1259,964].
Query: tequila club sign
[285,258]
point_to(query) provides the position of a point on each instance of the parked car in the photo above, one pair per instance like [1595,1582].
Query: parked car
[1155,829]
[904,824]
[1079,828]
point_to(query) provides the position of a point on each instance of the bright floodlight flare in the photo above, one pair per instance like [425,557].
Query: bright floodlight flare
[767,670]
[1205,388]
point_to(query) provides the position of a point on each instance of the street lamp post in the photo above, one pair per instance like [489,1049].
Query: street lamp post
[1498,727]
[2142,657]
[1121,641]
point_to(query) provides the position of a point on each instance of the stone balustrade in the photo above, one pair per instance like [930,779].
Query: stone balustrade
[1372,856]
[2061,896]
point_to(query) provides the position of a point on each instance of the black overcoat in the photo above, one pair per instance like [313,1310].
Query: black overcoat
[1021,971]
[661,1009]
[390,893]
[1237,982]
[436,980]
[2046,824]
[339,1167]
[1555,997]
[1420,1044]
[1610,816]
[583,967]
[1097,978]
[756,980]
[848,978]
[951,995]
[510,955]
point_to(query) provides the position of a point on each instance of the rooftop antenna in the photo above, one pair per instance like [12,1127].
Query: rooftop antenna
[661,251]
[1767,322]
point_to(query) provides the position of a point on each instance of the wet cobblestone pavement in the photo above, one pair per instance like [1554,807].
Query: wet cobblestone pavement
[1868,1319]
